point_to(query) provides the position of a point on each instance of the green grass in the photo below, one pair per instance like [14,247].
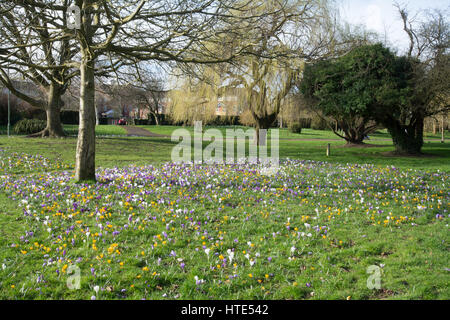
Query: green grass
[101,130]
[286,134]
[344,194]
[110,151]
[121,151]
[283,133]
[71,130]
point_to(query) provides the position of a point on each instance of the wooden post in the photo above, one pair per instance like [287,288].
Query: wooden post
[442,130]
[328,150]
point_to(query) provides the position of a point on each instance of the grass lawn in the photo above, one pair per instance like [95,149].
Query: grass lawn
[72,130]
[102,130]
[286,134]
[155,230]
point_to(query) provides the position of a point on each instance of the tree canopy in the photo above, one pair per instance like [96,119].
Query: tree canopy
[349,88]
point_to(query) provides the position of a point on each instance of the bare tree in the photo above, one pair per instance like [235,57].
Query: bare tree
[33,51]
[429,57]
[149,90]
[168,31]
[178,31]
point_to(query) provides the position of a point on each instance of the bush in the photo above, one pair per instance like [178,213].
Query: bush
[70,117]
[33,113]
[318,123]
[225,121]
[296,128]
[142,122]
[29,126]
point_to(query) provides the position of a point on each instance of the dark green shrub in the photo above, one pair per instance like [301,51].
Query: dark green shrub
[225,121]
[144,122]
[70,117]
[296,128]
[29,126]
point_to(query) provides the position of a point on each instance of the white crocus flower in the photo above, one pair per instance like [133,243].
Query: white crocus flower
[230,255]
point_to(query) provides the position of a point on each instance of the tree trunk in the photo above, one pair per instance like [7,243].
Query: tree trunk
[156,117]
[54,128]
[260,138]
[263,123]
[355,132]
[408,139]
[355,137]
[85,157]
[442,130]
[356,141]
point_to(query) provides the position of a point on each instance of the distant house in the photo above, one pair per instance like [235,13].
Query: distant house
[110,116]
[229,103]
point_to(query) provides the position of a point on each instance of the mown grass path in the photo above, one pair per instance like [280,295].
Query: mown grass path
[133,131]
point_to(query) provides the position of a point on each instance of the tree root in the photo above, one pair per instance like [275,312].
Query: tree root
[46,133]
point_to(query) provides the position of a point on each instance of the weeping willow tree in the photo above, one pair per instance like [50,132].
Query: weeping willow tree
[194,99]
[266,88]
[274,53]
[300,32]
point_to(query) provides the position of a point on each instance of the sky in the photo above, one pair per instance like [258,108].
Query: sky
[381,16]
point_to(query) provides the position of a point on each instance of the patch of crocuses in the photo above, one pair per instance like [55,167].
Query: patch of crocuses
[186,227]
